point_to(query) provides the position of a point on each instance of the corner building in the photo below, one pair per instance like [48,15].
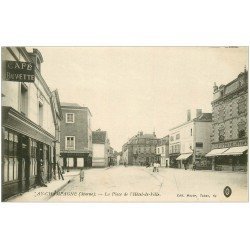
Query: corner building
[230,125]
[76,136]
[28,126]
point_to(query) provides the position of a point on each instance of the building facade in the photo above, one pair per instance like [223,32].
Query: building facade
[101,148]
[230,125]
[162,151]
[140,149]
[76,136]
[190,142]
[28,122]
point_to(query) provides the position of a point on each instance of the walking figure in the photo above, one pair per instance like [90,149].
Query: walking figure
[59,167]
[155,166]
[40,174]
[194,166]
[81,175]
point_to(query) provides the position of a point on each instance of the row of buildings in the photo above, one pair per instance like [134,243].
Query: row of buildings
[217,140]
[37,128]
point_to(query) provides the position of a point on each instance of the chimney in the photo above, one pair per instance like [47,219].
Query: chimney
[188,115]
[215,87]
[198,112]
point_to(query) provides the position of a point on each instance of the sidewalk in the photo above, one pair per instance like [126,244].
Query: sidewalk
[42,194]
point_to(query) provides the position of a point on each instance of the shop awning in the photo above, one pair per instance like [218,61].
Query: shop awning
[236,150]
[216,152]
[183,157]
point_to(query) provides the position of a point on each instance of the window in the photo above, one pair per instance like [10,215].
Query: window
[177,136]
[70,118]
[221,134]
[241,107]
[241,130]
[10,160]
[171,138]
[162,150]
[221,114]
[24,99]
[191,132]
[199,144]
[33,157]
[40,114]
[70,142]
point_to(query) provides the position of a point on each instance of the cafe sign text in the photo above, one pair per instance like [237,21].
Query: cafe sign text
[19,71]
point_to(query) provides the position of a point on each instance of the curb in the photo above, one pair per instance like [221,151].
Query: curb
[60,188]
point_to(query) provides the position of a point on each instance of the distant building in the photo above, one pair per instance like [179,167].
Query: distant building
[140,149]
[76,136]
[101,147]
[230,124]
[162,151]
[190,142]
[30,119]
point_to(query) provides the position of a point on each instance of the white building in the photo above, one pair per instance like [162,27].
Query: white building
[162,151]
[101,147]
[191,141]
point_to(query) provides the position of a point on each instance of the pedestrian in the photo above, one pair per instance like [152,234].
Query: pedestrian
[194,166]
[41,173]
[147,164]
[81,175]
[59,167]
[155,166]
[185,165]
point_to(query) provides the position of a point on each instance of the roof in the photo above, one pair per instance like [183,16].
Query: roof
[204,117]
[69,104]
[73,106]
[99,137]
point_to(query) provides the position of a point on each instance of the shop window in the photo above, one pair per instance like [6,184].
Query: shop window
[10,159]
[70,142]
[70,118]
[33,158]
[80,162]
[24,99]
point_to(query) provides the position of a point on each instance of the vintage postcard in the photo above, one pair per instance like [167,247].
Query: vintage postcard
[124,124]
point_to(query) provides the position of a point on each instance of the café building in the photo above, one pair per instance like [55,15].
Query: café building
[28,122]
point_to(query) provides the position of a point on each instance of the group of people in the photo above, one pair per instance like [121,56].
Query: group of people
[154,165]
[57,169]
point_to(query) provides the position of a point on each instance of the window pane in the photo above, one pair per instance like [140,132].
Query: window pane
[11,169]
[5,173]
[70,162]
[16,169]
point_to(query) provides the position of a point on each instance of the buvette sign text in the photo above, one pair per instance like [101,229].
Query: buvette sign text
[19,71]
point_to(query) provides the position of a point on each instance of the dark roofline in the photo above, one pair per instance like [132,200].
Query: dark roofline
[193,120]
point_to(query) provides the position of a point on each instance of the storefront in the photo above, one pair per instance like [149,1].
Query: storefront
[26,147]
[173,160]
[234,158]
[76,160]
[185,160]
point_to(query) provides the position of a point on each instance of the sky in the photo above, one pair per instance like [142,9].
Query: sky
[131,89]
